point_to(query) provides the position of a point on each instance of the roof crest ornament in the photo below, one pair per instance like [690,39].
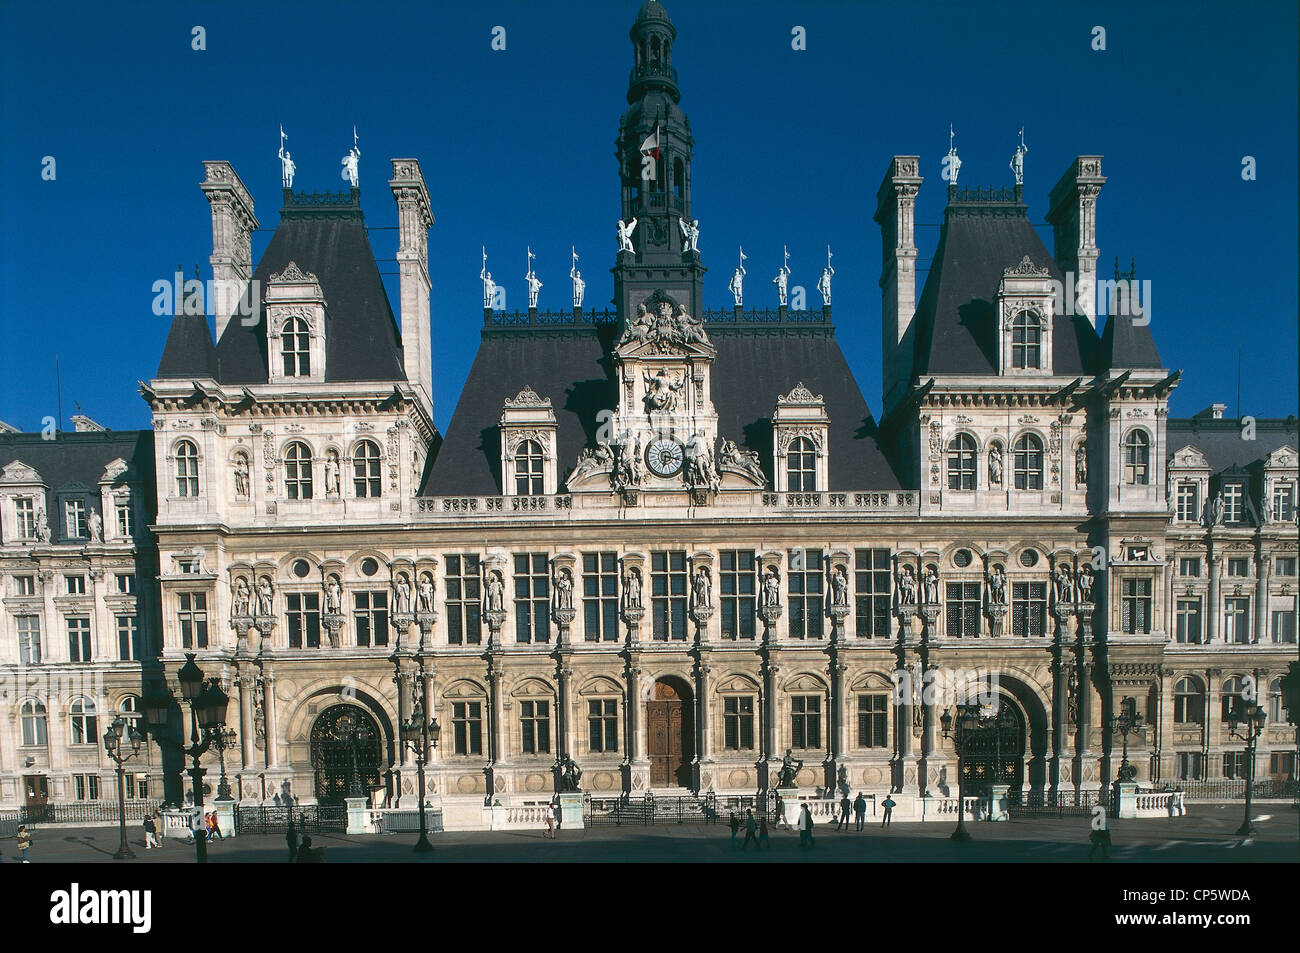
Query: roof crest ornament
[1026,268]
[293,273]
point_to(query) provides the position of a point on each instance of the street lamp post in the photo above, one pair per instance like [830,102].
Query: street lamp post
[418,735]
[970,719]
[1128,720]
[115,750]
[223,739]
[1250,717]
[208,705]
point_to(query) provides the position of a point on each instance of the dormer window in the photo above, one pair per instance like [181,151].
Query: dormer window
[366,481]
[1234,503]
[1283,502]
[801,462]
[25,514]
[961,462]
[1026,341]
[1137,458]
[295,344]
[187,469]
[74,519]
[297,472]
[1028,462]
[1189,503]
[125,519]
[529,464]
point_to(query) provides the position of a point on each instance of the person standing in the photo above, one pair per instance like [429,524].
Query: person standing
[158,826]
[150,833]
[763,840]
[860,811]
[214,827]
[780,811]
[889,806]
[24,843]
[291,838]
[806,827]
[550,820]
[843,822]
[751,831]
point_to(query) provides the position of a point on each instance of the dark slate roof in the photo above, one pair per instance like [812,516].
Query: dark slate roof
[955,326]
[1126,344]
[362,340]
[188,352]
[1221,440]
[81,458]
[574,370]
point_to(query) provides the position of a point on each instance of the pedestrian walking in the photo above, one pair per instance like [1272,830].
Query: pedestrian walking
[780,811]
[158,826]
[806,828]
[860,811]
[550,820]
[889,806]
[150,833]
[751,831]
[735,827]
[214,827]
[24,843]
[843,822]
[1100,839]
[291,838]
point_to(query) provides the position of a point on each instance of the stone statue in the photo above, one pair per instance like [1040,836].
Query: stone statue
[579,286]
[997,587]
[1072,697]
[426,593]
[287,166]
[930,586]
[737,286]
[661,391]
[590,459]
[1084,582]
[781,281]
[243,599]
[700,471]
[1064,584]
[690,234]
[402,599]
[632,589]
[730,455]
[772,587]
[42,527]
[1081,465]
[840,587]
[496,589]
[1018,160]
[824,284]
[265,595]
[995,465]
[241,475]
[703,588]
[906,587]
[570,775]
[564,590]
[625,230]
[489,286]
[790,769]
[332,473]
[333,596]
[96,524]
[534,287]
[1217,510]
[351,162]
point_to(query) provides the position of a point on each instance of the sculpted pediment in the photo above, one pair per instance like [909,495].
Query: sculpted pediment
[1283,457]
[19,472]
[661,326]
[1189,456]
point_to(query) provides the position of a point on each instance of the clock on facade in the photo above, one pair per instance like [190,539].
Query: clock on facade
[664,457]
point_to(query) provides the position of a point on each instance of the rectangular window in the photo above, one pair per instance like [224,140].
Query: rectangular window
[370,618]
[532,598]
[668,594]
[1239,567]
[871,592]
[29,639]
[467,727]
[25,510]
[1281,765]
[74,519]
[1284,565]
[24,585]
[128,638]
[1188,766]
[873,721]
[125,582]
[535,727]
[807,583]
[1187,621]
[600,597]
[125,519]
[1236,620]
[1234,503]
[1028,609]
[1189,565]
[303,612]
[1283,502]
[463,602]
[85,787]
[75,585]
[193,618]
[738,722]
[1189,503]
[78,638]
[602,724]
[1283,626]
[805,721]
[963,610]
[139,789]
[1135,606]
[737,572]
[1236,765]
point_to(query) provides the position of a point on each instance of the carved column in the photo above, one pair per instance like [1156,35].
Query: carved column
[839,700]
[703,737]
[771,742]
[563,715]
[247,682]
[272,718]
[1061,663]
[1213,609]
[496,721]
[1263,573]
[637,763]
[929,662]
[402,679]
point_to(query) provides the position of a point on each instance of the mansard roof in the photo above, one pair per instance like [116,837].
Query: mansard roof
[1126,344]
[325,234]
[1222,443]
[573,368]
[81,458]
[984,232]
[188,352]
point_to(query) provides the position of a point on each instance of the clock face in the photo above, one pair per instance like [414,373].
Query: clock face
[664,457]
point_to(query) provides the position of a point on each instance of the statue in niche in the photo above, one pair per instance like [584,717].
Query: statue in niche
[402,599]
[930,586]
[1084,582]
[995,465]
[1072,697]
[1081,465]
[662,392]
[998,586]
[564,589]
[265,596]
[906,587]
[42,527]
[1217,510]
[333,596]
[241,476]
[772,587]
[243,599]
[632,588]
[496,589]
[625,230]
[332,473]
[1064,584]
[703,588]
[840,587]
[426,593]
[96,524]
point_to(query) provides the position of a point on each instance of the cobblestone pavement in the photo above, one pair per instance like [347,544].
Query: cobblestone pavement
[1205,835]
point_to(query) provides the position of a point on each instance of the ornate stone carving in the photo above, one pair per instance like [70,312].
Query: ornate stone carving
[665,325]
[1026,269]
[293,273]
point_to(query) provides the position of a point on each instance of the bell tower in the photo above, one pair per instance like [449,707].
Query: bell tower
[654,151]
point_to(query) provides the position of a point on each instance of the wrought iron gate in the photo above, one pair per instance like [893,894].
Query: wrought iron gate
[345,753]
[309,819]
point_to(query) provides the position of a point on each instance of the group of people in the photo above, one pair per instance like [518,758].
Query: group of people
[756,827]
[859,806]
[203,825]
[302,851]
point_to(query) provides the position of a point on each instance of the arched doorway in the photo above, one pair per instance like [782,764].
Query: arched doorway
[996,754]
[670,729]
[346,753]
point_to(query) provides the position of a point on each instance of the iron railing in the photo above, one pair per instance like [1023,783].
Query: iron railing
[1068,803]
[1230,789]
[308,819]
[650,810]
[78,812]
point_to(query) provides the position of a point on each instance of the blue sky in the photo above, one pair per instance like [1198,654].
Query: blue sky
[518,149]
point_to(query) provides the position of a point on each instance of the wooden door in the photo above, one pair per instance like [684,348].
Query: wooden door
[37,790]
[671,747]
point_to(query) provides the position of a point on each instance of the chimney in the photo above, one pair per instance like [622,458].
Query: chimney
[895,213]
[413,220]
[233,223]
[1213,412]
[1073,215]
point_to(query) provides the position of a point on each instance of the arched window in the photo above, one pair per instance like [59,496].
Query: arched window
[365,470]
[1277,713]
[1137,458]
[33,718]
[961,462]
[1231,697]
[129,707]
[654,51]
[295,345]
[1026,341]
[528,469]
[1189,701]
[85,724]
[801,466]
[187,469]
[679,176]
[297,471]
[1028,453]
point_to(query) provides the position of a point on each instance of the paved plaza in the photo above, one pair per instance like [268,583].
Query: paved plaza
[1205,835]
